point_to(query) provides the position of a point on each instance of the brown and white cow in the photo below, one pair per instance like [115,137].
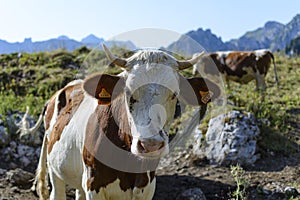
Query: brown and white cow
[105,135]
[239,66]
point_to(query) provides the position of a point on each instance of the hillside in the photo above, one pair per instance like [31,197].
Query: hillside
[262,38]
[294,47]
[272,35]
[205,38]
[30,79]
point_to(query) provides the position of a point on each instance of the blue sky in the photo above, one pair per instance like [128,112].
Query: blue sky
[45,19]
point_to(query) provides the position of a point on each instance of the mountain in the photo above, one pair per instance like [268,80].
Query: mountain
[294,47]
[290,32]
[61,42]
[206,38]
[92,40]
[273,35]
[260,38]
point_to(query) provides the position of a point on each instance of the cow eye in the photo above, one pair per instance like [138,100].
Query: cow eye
[174,96]
[131,102]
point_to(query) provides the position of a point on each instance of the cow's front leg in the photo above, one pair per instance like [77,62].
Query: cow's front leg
[260,81]
[80,195]
[58,191]
[145,193]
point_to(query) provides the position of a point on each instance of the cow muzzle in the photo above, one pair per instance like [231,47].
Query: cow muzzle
[150,145]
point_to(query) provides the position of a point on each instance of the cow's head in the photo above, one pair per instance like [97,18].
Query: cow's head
[151,86]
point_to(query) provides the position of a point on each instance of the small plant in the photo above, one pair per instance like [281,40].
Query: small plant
[241,181]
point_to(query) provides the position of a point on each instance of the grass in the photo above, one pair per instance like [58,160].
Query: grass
[241,181]
[275,107]
[32,78]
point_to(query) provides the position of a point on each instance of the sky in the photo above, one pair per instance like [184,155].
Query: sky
[45,19]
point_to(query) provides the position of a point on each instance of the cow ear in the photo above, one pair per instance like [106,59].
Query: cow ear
[198,91]
[103,87]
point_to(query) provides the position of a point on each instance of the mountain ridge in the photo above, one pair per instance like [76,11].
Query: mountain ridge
[61,42]
[273,35]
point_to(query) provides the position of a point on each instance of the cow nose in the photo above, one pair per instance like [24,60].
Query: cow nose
[150,145]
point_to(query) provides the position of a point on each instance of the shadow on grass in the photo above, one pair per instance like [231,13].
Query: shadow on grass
[276,151]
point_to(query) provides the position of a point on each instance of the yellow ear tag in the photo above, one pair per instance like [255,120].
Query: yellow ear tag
[205,96]
[104,94]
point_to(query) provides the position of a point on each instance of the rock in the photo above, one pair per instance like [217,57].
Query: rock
[192,194]
[19,155]
[24,150]
[13,145]
[6,154]
[26,121]
[2,171]
[26,154]
[230,139]
[4,137]
[291,192]
[25,161]
[19,177]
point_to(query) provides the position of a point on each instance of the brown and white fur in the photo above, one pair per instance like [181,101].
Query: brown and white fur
[93,124]
[238,66]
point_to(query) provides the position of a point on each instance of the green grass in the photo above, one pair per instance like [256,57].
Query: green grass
[31,79]
[277,106]
[242,182]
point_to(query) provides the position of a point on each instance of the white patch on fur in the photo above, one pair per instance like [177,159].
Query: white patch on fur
[260,81]
[54,116]
[65,159]
[151,80]
[260,52]
[75,82]
[222,56]
[113,191]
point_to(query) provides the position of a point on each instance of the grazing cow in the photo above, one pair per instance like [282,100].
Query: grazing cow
[105,135]
[241,67]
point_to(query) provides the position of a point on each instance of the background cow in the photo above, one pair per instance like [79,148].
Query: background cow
[105,135]
[238,66]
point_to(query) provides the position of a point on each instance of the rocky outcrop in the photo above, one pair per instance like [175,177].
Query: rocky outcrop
[230,139]
[16,152]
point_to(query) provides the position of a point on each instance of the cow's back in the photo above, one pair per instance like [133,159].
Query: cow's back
[240,66]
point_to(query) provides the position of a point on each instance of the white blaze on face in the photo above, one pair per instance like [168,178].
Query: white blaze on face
[151,89]
[151,99]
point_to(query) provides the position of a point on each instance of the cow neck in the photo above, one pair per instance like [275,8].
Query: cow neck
[109,121]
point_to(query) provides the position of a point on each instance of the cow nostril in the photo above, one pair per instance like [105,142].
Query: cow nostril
[150,146]
[140,146]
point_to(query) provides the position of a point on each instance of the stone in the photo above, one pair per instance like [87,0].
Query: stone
[24,150]
[291,192]
[4,137]
[192,194]
[229,140]
[2,171]
[19,177]
[25,161]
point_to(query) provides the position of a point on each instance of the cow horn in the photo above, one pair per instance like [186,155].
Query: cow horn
[114,59]
[189,63]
